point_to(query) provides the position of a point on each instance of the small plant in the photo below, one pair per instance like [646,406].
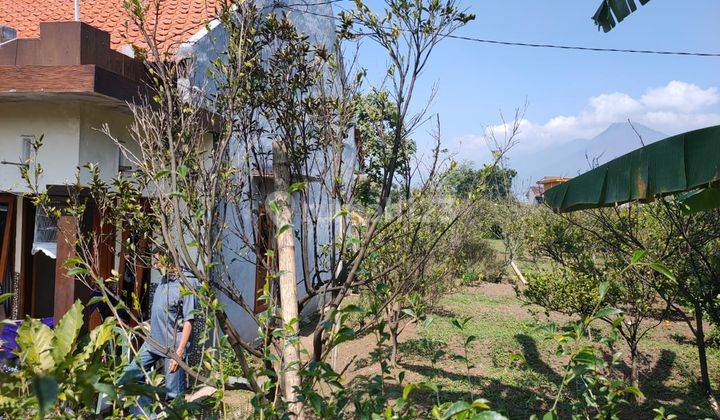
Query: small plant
[602,396]
[461,410]
[469,277]
[433,349]
[661,415]
[461,325]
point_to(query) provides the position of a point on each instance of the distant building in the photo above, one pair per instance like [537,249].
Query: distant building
[535,193]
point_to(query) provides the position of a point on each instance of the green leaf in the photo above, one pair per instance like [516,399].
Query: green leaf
[633,390]
[162,174]
[409,312]
[550,415]
[607,312]
[35,344]
[489,415]
[663,270]
[352,309]
[587,357]
[418,385]
[407,390]
[481,404]
[517,357]
[344,334]
[45,389]
[94,300]
[5,296]
[457,408]
[67,331]
[107,389]
[98,337]
[283,228]
[602,289]
[637,256]
[78,271]
[298,186]
[182,170]
[317,402]
[274,207]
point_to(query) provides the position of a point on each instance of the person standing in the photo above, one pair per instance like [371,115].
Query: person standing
[171,324]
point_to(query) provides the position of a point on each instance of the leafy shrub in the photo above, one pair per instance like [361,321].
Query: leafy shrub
[58,374]
[712,339]
[473,258]
[469,277]
[562,289]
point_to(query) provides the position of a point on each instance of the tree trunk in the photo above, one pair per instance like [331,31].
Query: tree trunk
[287,277]
[702,355]
[634,374]
[236,345]
[393,323]
[394,343]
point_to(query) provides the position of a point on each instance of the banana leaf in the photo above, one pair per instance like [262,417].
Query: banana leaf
[677,164]
[612,12]
[702,199]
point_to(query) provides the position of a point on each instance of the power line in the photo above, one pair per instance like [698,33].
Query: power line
[517,44]
[581,48]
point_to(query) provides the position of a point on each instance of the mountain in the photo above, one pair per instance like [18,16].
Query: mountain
[576,156]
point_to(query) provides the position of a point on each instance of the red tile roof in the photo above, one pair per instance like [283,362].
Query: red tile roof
[177,21]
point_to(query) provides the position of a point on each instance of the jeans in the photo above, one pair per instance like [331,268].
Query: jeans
[174,381]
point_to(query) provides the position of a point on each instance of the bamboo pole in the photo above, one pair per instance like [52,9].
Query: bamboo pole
[517,272]
[287,277]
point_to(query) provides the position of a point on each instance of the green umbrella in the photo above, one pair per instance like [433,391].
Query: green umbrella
[676,164]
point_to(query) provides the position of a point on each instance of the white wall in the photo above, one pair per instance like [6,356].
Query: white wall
[71,139]
[95,146]
[60,125]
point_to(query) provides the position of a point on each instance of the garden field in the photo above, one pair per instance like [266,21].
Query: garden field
[514,363]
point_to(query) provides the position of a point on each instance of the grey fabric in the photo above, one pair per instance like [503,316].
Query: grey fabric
[169,311]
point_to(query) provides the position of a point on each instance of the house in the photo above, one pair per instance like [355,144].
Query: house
[64,79]
[535,193]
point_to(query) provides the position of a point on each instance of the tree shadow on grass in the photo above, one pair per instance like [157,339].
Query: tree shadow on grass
[533,359]
[512,401]
[656,382]
[688,402]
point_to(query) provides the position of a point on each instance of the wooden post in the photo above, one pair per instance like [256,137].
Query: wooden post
[27,278]
[104,256]
[7,247]
[19,223]
[64,284]
[517,271]
[287,277]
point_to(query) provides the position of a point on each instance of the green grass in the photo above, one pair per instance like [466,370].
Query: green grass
[504,329]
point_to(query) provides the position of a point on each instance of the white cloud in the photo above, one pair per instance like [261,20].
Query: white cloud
[610,107]
[673,108]
[680,96]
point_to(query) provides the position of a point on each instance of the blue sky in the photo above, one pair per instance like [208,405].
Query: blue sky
[570,94]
